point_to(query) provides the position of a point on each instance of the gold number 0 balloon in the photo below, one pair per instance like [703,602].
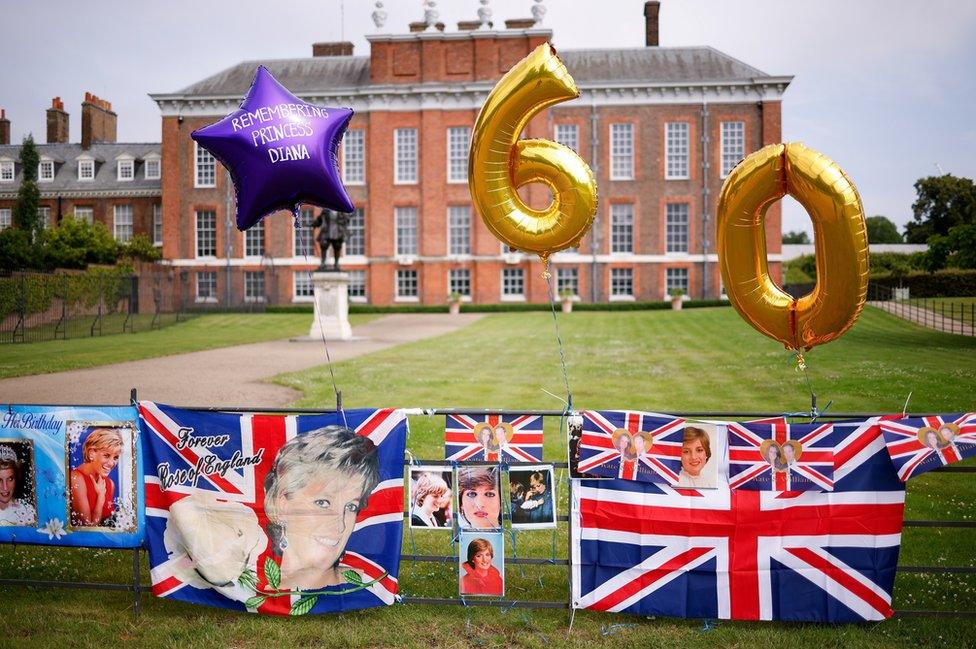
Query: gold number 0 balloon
[834,206]
[499,163]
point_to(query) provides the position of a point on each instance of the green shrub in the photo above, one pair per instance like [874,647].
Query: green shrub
[943,283]
[503,307]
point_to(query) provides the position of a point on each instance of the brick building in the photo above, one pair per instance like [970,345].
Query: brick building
[660,127]
[98,179]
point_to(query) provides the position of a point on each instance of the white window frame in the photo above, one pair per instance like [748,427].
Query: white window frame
[458,140]
[510,276]
[201,155]
[150,161]
[83,164]
[454,228]
[733,145]
[670,277]
[6,218]
[125,169]
[303,290]
[457,277]
[675,212]
[567,135]
[357,278]
[621,212]
[567,276]
[401,147]
[250,279]
[354,157]
[254,238]
[304,234]
[355,245]
[196,234]
[621,274]
[622,151]
[211,274]
[7,171]
[402,273]
[44,216]
[677,154]
[400,243]
[42,166]
[127,229]
[157,225]
[89,211]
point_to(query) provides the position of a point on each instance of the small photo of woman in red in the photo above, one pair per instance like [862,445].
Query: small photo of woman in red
[100,467]
[482,564]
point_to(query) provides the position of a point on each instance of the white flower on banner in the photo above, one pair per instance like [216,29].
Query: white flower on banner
[53,529]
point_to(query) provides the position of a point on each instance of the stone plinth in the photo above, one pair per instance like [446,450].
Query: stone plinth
[331,306]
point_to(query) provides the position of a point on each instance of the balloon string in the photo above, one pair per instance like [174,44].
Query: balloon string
[559,340]
[318,318]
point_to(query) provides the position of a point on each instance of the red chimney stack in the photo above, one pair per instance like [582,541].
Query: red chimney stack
[98,122]
[57,123]
[4,127]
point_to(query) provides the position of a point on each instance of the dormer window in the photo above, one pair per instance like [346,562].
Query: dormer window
[86,170]
[45,171]
[6,171]
[126,168]
[151,167]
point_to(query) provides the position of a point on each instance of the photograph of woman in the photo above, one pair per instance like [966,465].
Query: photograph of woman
[697,469]
[773,454]
[482,573]
[486,436]
[479,497]
[16,485]
[531,497]
[319,482]
[431,498]
[92,485]
[930,438]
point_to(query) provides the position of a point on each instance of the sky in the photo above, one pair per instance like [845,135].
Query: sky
[884,88]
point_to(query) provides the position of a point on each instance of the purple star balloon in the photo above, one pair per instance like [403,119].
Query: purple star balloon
[280,151]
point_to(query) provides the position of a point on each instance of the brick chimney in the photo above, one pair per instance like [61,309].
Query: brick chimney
[519,23]
[57,123]
[343,48]
[651,10]
[4,127]
[98,122]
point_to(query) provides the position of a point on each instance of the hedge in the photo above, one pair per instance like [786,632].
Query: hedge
[35,292]
[951,282]
[504,307]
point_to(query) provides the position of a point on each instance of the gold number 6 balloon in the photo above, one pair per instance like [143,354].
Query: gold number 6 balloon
[832,202]
[499,163]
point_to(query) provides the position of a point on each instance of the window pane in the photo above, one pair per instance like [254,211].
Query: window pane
[207,285]
[126,169]
[459,230]
[44,216]
[568,135]
[356,233]
[406,230]
[254,286]
[567,279]
[357,284]
[621,151]
[123,223]
[676,163]
[6,171]
[86,169]
[303,284]
[457,153]
[621,227]
[513,282]
[405,154]
[459,281]
[152,169]
[733,145]
[86,214]
[157,224]
[676,224]
[406,285]
[254,240]
[622,281]
[6,218]
[676,278]
[207,234]
[206,167]
[303,234]
[45,171]
[354,156]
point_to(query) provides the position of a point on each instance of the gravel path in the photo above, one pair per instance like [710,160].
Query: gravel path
[232,376]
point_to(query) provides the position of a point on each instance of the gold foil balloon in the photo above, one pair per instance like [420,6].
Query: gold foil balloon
[832,202]
[500,163]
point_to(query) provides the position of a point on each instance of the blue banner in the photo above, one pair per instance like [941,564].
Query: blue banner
[71,475]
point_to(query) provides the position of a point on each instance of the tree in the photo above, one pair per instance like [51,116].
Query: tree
[28,196]
[954,250]
[882,230]
[943,202]
[796,237]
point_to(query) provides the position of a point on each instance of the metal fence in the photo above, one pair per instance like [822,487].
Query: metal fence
[947,314]
[60,306]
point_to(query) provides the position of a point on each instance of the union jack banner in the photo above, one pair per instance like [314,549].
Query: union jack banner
[493,438]
[922,444]
[779,456]
[652,549]
[222,506]
[604,433]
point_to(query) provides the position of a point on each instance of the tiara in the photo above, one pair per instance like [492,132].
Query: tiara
[7,454]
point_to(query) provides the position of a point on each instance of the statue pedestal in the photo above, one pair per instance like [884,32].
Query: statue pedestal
[331,306]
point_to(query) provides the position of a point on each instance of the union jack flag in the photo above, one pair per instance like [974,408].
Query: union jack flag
[246,445]
[599,448]
[651,549]
[493,438]
[917,445]
[781,457]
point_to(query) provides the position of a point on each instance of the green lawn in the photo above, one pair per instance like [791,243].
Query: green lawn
[659,360]
[195,334]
